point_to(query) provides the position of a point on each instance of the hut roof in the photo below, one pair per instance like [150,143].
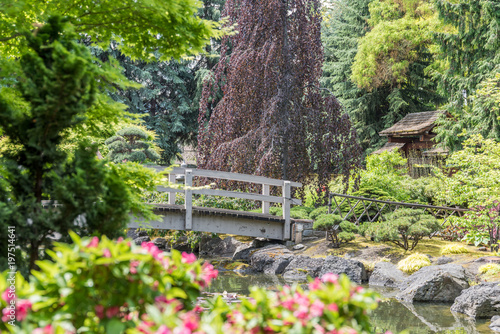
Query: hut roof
[414,123]
[389,147]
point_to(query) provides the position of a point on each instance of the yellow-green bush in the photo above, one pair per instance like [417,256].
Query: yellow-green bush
[454,249]
[413,263]
[489,269]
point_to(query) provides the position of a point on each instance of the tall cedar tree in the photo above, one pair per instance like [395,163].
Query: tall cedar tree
[472,50]
[272,119]
[347,34]
[59,81]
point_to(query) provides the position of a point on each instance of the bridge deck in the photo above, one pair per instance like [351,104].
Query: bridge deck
[160,209]
[252,224]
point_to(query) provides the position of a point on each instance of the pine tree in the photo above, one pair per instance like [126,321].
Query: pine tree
[272,119]
[58,84]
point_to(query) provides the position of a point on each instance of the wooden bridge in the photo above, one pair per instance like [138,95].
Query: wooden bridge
[192,218]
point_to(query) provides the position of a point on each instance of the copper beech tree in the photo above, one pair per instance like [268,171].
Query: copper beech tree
[273,119]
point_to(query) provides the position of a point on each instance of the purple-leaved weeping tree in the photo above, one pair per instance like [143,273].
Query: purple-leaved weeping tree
[273,119]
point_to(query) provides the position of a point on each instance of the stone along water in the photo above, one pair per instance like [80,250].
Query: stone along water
[417,318]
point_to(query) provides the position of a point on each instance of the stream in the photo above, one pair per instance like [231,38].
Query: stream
[392,315]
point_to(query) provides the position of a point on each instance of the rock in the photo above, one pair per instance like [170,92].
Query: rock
[444,260]
[298,247]
[243,252]
[134,233]
[226,247]
[208,244]
[139,240]
[386,274]
[161,243]
[441,283]
[302,266]
[479,301]
[354,269]
[182,245]
[495,323]
[272,259]
[483,249]
[261,242]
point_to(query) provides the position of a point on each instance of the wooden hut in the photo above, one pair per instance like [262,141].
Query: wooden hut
[413,136]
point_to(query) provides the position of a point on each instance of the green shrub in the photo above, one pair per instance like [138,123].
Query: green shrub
[299,214]
[404,227]
[222,202]
[103,286]
[338,230]
[276,210]
[454,249]
[318,211]
[413,263]
[131,144]
[326,222]
[334,306]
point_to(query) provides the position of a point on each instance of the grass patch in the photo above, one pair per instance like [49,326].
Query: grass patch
[454,249]
[414,263]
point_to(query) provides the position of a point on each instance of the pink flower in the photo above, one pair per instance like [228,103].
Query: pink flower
[133,267]
[46,330]
[5,314]
[315,285]
[163,330]
[333,307]
[209,271]
[99,311]
[93,243]
[112,311]
[153,250]
[188,258]
[302,312]
[106,253]
[317,308]
[288,304]
[23,306]
[330,278]
[190,321]
[120,239]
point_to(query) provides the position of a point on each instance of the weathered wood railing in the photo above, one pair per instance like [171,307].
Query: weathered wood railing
[367,203]
[188,173]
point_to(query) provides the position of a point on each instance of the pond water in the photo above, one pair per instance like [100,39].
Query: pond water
[420,318]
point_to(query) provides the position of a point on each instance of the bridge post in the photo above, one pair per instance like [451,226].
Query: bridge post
[287,199]
[265,191]
[188,202]
[171,195]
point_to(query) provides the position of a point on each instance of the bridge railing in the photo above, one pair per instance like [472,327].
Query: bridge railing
[188,173]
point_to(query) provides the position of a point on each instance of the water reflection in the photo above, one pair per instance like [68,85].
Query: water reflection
[419,318]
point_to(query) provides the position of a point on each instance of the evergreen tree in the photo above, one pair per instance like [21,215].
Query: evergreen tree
[272,119]
[131,144]
[365,42]
[472,52]
[59,84]
[170,90]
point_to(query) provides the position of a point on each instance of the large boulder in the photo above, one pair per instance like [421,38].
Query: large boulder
[272,259]
[354,269]
[441,283]
[495,323]
[243,252]
[386,274]
[302,266]
[479,301]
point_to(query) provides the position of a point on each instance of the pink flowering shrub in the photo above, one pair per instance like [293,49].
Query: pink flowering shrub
[331,305]
[103,286]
